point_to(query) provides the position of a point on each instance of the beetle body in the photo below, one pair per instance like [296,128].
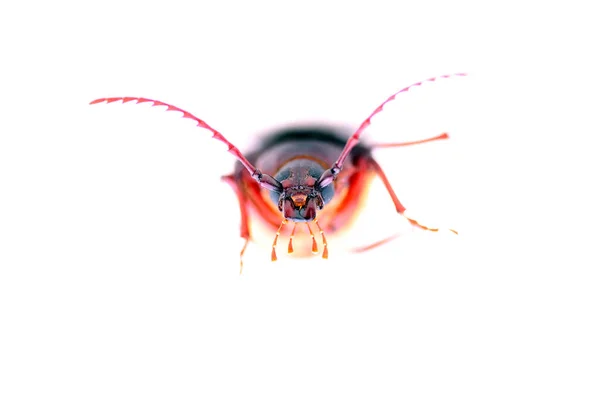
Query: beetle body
[298,157]
[314,176]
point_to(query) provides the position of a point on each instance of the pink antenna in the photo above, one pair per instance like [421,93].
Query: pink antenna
[266,181]
[329,175]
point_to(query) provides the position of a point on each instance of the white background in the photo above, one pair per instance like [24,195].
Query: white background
[119,244]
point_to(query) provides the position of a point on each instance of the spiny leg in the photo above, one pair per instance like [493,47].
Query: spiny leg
[399,207]
[244,227]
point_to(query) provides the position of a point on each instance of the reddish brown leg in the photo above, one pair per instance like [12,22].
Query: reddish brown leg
[244,227]
[399,207]
[401,144]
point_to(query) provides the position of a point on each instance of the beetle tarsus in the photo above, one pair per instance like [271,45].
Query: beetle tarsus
[416,224]
[399,207]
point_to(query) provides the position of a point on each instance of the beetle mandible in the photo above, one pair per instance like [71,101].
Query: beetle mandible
[304,175]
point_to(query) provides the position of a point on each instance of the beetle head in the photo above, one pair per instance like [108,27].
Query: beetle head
[300,203]
[300,196]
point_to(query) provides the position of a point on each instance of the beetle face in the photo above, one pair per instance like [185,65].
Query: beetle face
[300,203]
[300,197]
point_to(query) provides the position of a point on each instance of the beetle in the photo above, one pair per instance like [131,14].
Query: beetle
[304,175]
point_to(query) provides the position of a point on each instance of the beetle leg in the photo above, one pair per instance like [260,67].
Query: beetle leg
[442,136]
[399,207]
[244,227]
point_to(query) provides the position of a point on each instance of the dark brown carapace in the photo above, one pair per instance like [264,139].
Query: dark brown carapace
[304,175]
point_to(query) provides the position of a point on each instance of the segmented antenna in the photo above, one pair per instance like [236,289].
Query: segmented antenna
[265,180]
[329,175]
